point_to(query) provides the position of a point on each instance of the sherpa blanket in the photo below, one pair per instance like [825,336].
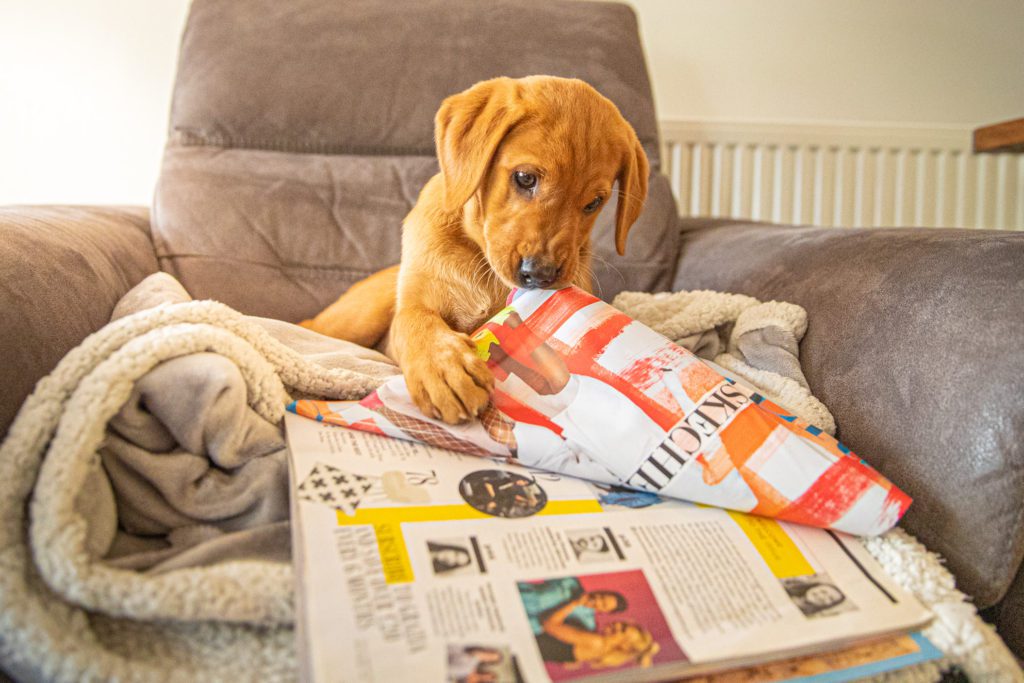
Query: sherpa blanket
[143,528]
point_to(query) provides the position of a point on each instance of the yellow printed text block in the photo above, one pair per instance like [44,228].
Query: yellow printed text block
[779,551]
[394,558]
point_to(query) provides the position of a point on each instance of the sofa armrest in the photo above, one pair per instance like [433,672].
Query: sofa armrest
[63,270]
[914,343]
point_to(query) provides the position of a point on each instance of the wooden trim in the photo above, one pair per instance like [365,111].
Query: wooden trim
[1007,136]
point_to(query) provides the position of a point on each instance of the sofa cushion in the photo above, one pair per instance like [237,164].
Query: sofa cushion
[914,343]
[277,234]
[366,77]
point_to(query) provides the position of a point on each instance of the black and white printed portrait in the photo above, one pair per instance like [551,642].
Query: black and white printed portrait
[455,556]
[592,545]
[482,664]
[817,595]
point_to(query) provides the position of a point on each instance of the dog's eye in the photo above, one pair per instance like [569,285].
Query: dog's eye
[525,180]
[593,206]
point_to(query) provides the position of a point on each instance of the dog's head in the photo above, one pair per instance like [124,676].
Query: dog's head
[531,162]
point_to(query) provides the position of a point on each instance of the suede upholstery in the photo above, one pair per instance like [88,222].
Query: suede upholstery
[307,182]
[366,77]
[914,344]
[301,133]
[63,270]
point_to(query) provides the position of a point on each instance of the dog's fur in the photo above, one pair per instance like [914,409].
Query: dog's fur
[464,241]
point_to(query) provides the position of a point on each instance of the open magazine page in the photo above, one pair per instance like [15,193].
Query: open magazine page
[584,390]
[417,560]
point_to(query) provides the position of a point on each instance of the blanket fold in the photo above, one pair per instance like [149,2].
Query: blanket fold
[143,508]
[186,451]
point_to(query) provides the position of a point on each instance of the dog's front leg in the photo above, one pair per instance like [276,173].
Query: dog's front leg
[446,378]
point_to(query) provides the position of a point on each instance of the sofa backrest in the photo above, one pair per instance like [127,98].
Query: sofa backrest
[302,131]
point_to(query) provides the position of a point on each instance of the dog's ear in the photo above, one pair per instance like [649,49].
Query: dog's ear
[632,189]
[468,128]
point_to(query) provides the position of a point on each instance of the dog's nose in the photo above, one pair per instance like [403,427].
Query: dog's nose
[537,273]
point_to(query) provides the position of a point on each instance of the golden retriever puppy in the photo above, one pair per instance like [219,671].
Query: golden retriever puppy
[526,165]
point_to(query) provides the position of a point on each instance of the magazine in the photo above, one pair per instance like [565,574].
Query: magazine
[584,390]
[416,561]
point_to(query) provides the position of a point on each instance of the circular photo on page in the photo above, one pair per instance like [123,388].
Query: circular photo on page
[503,494]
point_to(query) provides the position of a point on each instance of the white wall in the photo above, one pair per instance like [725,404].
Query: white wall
[84,98]
[944,62]
[85,84]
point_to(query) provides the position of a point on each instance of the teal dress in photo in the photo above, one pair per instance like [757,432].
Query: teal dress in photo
[540,599]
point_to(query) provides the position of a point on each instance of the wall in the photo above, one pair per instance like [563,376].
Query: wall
[936,62]
[84,95]
[85,84]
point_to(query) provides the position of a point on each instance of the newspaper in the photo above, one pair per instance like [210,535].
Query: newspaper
[415,561]
[584,390]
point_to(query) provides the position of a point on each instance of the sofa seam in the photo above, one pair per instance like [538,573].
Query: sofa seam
[326,270]
[187,138]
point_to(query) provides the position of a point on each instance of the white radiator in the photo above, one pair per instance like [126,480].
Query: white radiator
[841,176]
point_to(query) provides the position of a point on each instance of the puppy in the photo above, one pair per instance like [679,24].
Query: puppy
[526,166]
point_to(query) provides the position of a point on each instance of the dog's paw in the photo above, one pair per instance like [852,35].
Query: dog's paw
[447,380]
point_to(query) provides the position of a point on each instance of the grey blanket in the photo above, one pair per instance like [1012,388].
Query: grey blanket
[195,476]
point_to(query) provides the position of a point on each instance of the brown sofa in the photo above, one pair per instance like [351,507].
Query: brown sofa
[301,132]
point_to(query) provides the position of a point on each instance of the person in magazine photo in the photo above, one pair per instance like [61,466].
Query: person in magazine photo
[481,664]
[592,547]
[449,558]
[816,595]
[543,597]
[588,623]
[561,413]
[618,643]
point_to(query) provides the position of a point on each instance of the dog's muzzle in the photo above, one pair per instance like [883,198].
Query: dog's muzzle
[537,273]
